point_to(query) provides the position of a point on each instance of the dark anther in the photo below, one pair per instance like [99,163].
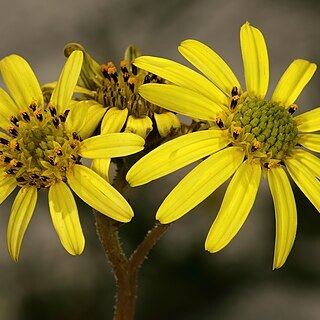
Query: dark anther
[7,159]
[126,76]
[11,171]
[21,179]
[14,120]
[62,118]
[66,112]
[53,111]
[4,141]
[39,116]
[124,70]
[73,157]
[25,116]
[253,148]
[134,70]
[114,76]
[56,122]
[75,136]
[131,86]
[122,101]
[292,109]
[32,183]
[19,164]
[266,165]
[106,75]
[44,178]
[234,102]
[234,91]
[33,107]
[17,147]
[147,79]
[153,77]
[235,135]
[51,161]
[34,176]
[219,123]
[13,131]
[58,152]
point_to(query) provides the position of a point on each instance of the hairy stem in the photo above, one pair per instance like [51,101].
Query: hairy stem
[125,270]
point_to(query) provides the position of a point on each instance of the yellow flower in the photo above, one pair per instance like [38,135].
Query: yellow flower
[117,90]
[41,147]
[249,137]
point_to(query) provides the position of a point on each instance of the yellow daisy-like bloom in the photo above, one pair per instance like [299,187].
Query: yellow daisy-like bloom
[116,88]
[249,137]
[41,147]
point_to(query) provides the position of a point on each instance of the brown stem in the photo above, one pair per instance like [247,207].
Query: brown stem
[147,244]
[125,279]
[125,270]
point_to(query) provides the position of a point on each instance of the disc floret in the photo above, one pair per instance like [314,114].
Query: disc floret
[265,129]
[37,149]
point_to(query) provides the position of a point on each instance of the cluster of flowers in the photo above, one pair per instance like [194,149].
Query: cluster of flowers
[100,112]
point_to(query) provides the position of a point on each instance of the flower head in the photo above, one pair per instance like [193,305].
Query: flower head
[116,88]
[41,147]
[249,137]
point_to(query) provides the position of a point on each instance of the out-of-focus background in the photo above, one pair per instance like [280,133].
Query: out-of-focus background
[179,280]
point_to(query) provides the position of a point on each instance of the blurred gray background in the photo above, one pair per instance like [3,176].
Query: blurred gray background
[179,280]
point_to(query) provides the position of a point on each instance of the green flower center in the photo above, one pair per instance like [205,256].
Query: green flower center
[265,129]
[37,149]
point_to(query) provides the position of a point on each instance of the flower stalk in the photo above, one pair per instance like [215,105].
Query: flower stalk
[125,269]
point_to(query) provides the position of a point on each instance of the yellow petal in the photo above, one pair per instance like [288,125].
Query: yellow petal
[21,213]
[7,109]
[236,205]
[309,160]
[77,116]
[199,183]
[64,89]
[293,81]
[210,64]
[310,141]
[255,61]
[101,167]
[285,213]
[84,117]
[182,76]
[99,194]
[176,154]
[95,114]
[305,180]
[7,185]
[111,145]
[167,123]
[140,126]
[114,120]
[21,81]
[65,218]
[309,121]
[180,100]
